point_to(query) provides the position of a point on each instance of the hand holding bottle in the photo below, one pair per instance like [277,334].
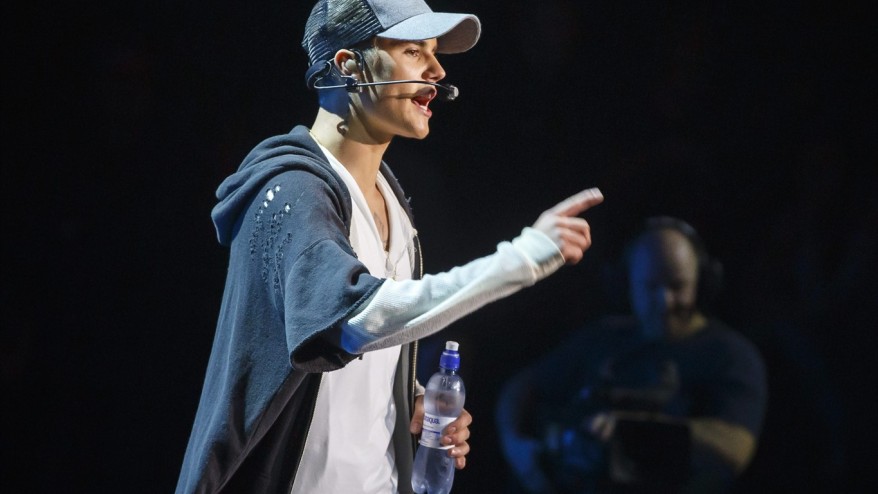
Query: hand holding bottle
[456,433]
[444,396]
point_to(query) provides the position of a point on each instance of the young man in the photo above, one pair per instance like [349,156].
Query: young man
[665,400]
[310,385]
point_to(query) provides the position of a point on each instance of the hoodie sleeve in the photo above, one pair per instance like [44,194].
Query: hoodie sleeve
[292,270]
[321,281]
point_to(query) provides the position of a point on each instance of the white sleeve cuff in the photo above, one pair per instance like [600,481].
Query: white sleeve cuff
[540,250]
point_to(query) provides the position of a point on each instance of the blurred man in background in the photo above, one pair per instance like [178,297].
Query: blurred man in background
[667,399]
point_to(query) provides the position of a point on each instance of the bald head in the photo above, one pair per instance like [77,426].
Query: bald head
[663,283]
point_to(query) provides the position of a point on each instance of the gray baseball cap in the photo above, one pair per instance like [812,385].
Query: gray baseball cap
[337,24]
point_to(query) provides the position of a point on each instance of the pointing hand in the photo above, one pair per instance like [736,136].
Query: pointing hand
[570,233]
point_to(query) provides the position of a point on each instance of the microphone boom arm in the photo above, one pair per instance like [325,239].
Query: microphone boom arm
[352,85]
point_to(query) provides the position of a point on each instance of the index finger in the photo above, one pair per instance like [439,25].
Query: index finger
[579,202]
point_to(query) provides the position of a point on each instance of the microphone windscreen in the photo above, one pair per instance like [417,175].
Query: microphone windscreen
[451,92]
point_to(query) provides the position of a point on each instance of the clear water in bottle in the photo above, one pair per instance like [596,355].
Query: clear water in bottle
[433,471]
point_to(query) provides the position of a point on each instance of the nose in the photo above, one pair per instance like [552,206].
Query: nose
[434,71]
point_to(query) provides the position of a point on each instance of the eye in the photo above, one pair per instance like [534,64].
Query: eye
[413,52]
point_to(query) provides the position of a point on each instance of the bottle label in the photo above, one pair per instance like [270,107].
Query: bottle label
[432,431]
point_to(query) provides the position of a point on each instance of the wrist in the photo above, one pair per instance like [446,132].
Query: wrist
[543,255]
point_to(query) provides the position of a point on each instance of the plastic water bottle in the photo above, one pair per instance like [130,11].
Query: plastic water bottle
[433,471]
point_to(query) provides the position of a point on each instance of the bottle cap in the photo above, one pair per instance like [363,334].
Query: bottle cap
[450,358]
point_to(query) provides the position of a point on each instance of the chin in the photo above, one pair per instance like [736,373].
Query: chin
[421,131]
[419,135]
[418,128]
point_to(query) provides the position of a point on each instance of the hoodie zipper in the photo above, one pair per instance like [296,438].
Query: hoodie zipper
[413,356]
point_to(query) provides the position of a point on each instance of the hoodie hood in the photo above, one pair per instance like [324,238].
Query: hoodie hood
[293,151]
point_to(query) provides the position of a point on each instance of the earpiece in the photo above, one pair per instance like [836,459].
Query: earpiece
[351,65]
[355,63]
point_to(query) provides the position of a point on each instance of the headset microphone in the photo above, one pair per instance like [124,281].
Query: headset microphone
[318,72]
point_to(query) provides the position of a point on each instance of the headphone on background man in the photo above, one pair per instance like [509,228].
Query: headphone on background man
[320,71]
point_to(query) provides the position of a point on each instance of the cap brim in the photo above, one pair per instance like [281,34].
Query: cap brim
[455,33]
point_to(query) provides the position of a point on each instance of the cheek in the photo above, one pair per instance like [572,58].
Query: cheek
[384,68]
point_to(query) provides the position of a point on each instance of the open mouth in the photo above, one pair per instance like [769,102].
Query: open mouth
[423,99]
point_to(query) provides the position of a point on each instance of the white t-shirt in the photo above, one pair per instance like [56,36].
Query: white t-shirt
[351,448]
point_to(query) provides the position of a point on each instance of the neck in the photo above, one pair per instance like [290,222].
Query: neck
[359,153]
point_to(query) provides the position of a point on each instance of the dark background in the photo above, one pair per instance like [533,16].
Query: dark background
[753,121]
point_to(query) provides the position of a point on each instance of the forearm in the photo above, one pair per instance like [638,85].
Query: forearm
[403,311]
[733,443]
